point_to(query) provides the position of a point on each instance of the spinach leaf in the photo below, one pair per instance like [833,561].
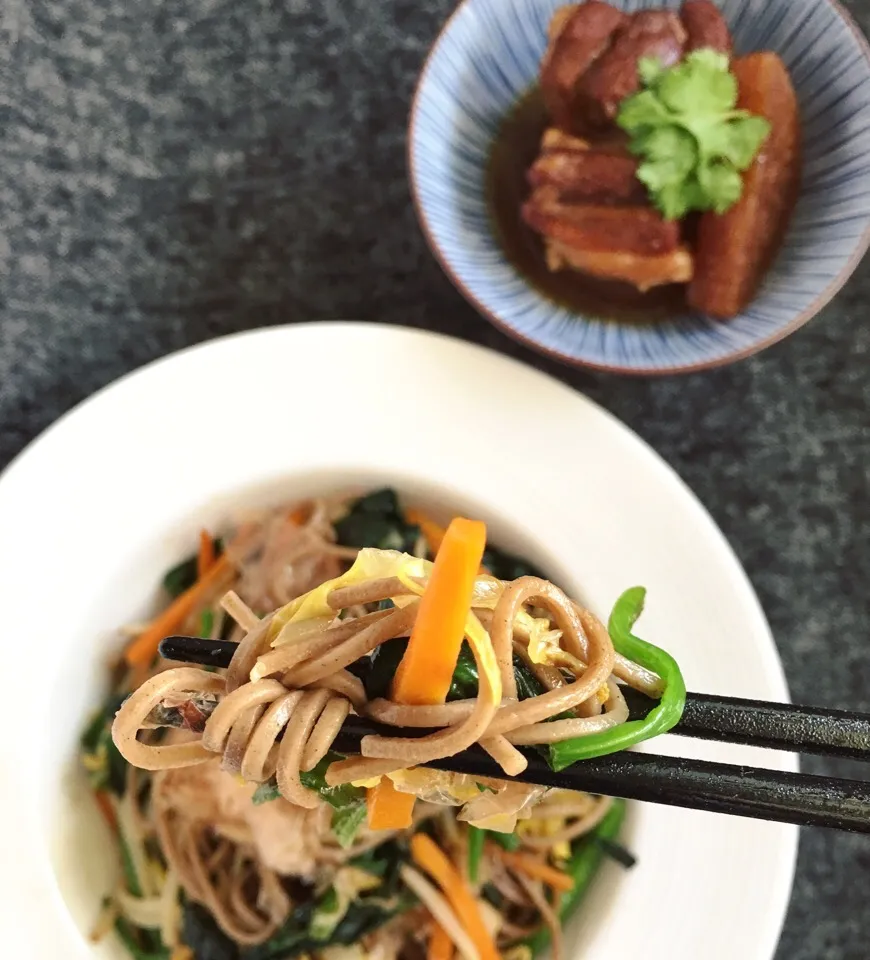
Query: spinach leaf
[465,677]
[315,779]
[326,916]
[289,941]
[384,862]
[376,520]
[182,576]
[338,797]
[265,792]
[379,669]
[506,566]
[204,937]
[127,934]
[528,685]
[106,768]
[347,801]
[102,717]
[346,822]
[363,916]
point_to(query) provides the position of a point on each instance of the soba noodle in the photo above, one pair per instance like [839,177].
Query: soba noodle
[263,726]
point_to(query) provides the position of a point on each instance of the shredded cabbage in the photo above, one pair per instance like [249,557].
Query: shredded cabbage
[436,786]
[543,640]
[370,564]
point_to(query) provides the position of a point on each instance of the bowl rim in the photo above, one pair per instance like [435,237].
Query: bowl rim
[824,297]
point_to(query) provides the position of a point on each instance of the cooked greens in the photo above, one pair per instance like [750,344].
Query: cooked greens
[376,520]
[106,768]
[586,855]
[183,575]
[347,801]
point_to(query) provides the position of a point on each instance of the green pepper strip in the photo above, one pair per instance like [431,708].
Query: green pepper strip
[659,720]
[476,836]
[585,859]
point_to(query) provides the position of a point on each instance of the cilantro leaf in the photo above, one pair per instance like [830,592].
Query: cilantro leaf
[641,111]
[692,141]
[721,184]
[738,140]
[649,70]
[671,199]
[702,83]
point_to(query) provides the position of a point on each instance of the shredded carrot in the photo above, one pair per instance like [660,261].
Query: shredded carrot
[205,557]
[432,531]
[426,671]
[533,867]
[431,858]
[300,514]
[144,648]
[388,809]
[106,809]
[440,944]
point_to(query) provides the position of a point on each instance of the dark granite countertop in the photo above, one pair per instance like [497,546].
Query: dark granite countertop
[177,170]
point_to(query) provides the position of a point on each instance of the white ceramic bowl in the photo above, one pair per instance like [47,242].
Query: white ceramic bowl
[99,506]
[488,55]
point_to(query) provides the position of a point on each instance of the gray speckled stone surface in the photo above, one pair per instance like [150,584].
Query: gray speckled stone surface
[176,170]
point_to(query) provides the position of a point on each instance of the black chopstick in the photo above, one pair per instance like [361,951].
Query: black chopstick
[759,723]
[756,723]
[741,791]
[782,796]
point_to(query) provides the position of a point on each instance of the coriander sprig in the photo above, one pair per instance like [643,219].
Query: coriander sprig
[693,140]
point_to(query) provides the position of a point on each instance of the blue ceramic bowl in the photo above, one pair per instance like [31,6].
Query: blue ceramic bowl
[488,55]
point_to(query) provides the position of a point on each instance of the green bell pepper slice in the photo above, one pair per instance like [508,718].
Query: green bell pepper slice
[660,719]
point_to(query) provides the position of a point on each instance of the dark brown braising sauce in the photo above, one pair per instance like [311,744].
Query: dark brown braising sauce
[514,150]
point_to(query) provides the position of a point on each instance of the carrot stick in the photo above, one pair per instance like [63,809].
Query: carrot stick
[426,671]
[144,648]
[533,867]
[388,809]
[432,531]
[440,944]
[431,858]
[205,557]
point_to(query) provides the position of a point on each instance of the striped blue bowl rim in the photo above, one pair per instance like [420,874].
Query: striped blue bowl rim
[487,56]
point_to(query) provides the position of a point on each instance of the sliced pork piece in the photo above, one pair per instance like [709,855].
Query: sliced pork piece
[555,139]
[734,250]
[287,838]
[642,272]
[579,35]
[598,227]
[613,76]
[705,27]
[591,176]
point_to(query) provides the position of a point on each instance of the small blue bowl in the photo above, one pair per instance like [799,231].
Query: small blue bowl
[488,55]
